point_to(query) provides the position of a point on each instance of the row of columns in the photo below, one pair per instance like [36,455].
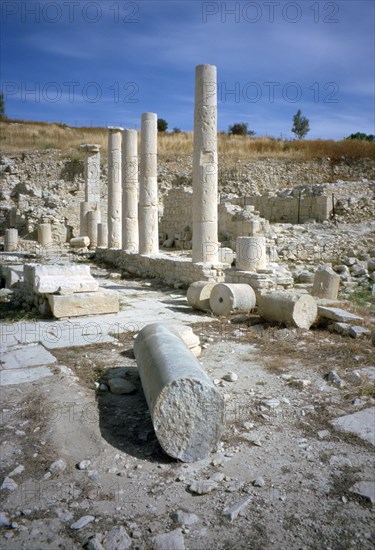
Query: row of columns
[132,215]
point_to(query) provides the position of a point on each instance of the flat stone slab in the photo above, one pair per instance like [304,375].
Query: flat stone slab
[84,303]
[337,314]
[22,376]
[61,279]
[365,489]
[26,356]
[361,423]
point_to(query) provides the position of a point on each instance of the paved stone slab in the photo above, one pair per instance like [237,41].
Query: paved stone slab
[337,314]
[361,423]
[21,376]
[26,356]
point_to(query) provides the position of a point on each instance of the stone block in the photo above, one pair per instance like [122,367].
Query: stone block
[337,314]
[50,279]
[84,303]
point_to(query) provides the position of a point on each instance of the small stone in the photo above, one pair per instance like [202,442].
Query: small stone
[117,539]
[365,489]
[334,378]
[358,332]
[94,543]
[18,470]
[169,541]
[103,387]
[323,434]
[217,476]
[184,518]
[84,464]
[8,484]
[272,403]
[203,487]
[259,482]
[234,510]
[121,386]
[230,377]
[57,467]
[4,520]
[82,522]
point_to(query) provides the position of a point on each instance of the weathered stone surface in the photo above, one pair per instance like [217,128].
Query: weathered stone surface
[198,294]
[84,303]
[186,409]
[148,187]
[169,541]
[82,522]
[365,489]
[205,166]
[289,308]
[361,423]
[26,356]
[251,253]
[79,242]
[114,186]
[228,298]
[130,236]
[11,240]
[326,283]
[358,332]
[51,279]
[337,314]
[117,539]
[23,375]
[234,510]
[121,386]
[45,234]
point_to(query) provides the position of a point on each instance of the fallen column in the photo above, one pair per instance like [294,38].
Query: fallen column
[198,294]
[130,237]
[186,409]
[290,308]
[79,242]
[205,167]
[148,187]
[229,298]
[114,186]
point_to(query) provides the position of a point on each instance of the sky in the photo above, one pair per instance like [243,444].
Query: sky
[105,62]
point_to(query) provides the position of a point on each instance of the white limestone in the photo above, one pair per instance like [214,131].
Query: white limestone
[11,240]
[326,283]
[198,294]
[92,172]
[186,409]
[148,192]
[229,298]
[61,279]
[251,253]
[288,307]
[93,219]
[79,242]
[84,303]
[102,235]
[114,186]
[130,238]
[205,166]
[85,208]
[44,231]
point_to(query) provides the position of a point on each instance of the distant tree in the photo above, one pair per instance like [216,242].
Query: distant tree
[240,129]
[176,131]
[362,136]
[162,125]
[300,125]
[2,106]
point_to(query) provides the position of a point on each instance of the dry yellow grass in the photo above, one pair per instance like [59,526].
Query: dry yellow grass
[28,136]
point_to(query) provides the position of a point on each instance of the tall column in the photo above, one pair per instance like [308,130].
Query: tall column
[114,186]
[92,184]
[205,232]
[148,191]
[130,240]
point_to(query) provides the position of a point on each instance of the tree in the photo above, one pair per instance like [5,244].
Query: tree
[240,129]
[2,106]
[300,125]
[162,125]
[176,131]
[362,136]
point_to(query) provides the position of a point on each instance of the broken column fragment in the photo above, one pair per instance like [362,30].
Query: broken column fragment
[186,409]
[290,308]
[44,231]
[251,253]
[198,294]
[326,283]
[11,240]
[228,298]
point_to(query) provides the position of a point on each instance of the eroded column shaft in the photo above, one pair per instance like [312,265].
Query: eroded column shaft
[130,238]
[205,166]
[148,187]
[114,187]
[186,409]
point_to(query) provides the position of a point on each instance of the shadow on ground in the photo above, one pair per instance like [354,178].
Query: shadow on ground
[125,421]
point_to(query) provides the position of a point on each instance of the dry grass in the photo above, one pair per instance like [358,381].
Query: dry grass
[28,136]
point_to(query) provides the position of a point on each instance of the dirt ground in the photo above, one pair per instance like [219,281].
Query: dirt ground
[278,448]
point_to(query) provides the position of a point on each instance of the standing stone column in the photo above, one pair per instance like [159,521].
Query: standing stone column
[102,235]
[205,167]
[148,192]
[130,240]
[114,186]
[92,184]
[11,240]
[93,218]
[251,253]
[44,231]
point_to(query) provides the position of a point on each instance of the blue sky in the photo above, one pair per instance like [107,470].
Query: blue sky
[84,62]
